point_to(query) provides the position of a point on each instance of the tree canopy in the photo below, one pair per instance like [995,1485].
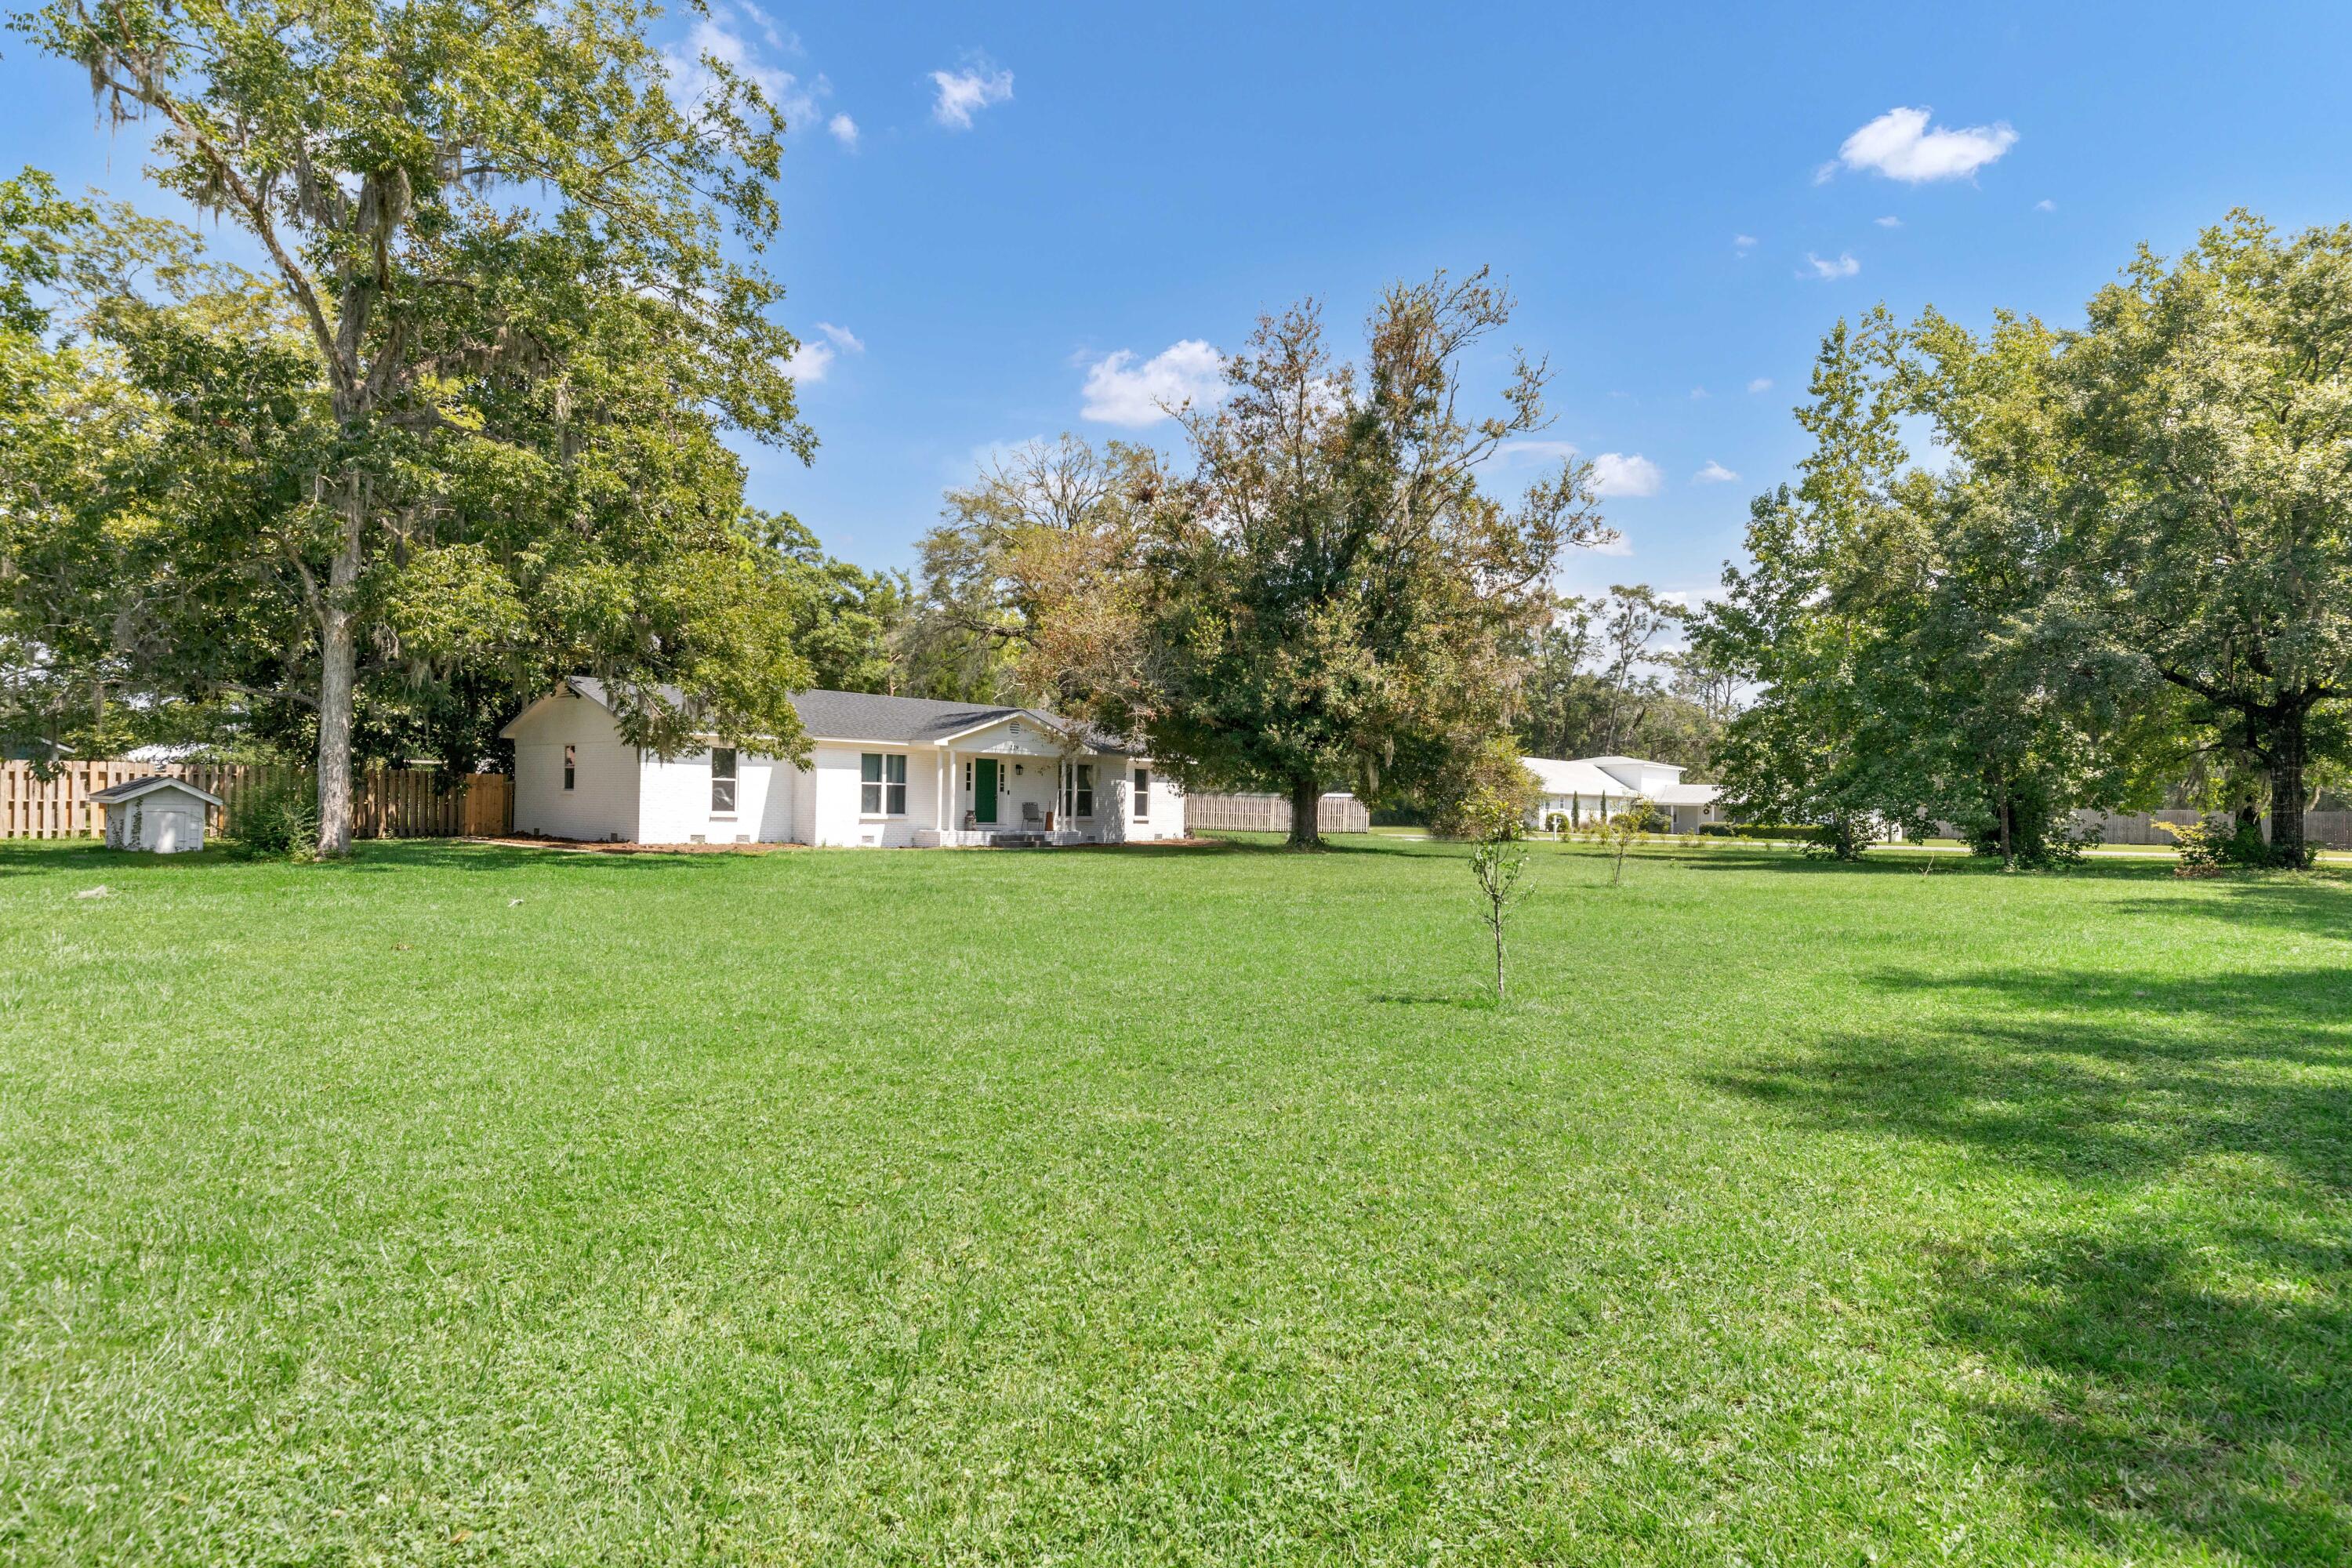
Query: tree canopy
[482,437]
[2132,554]
[1327,597]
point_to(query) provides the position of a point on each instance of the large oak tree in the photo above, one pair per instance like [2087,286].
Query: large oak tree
[1330,597]
[2207,430]
[495,434]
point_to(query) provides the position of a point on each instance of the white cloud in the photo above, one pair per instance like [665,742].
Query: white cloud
[1121,390]
[1900,145]
[1616,474]
[1845,266]
[1889,221]
[1697,393]
[722,37]
[1615,544]
[781,39]
[1761,384]
[711,38]
[2046,205]
[1743,243]
[963,93]
[1535,452]
[1714,473]
[810,361]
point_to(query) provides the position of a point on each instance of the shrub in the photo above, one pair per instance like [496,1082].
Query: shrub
[279,821]
[1642,816]
[1492,794]
[2040,835]
[1841,838]
[2208,846]
[1557,824]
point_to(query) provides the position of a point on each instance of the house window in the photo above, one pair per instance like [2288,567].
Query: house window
[1144,795]
[571,765]
[722,781]
[882,784]
[1079,791]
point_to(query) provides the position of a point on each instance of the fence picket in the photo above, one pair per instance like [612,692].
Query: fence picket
[387,803]
[1271,813]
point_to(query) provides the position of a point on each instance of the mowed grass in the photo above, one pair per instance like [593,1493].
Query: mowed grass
[464,1204]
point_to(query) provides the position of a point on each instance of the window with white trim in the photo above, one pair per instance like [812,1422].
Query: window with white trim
[1144,795]
[881,784]
[1079,791]
[571,767]
[722,781]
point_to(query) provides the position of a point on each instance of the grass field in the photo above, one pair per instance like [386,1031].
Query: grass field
[464,1204]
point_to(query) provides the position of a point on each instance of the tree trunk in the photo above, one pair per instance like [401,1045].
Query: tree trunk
[338,675]
[1306,794]
[2001,817]
[2287,749]
[336,663]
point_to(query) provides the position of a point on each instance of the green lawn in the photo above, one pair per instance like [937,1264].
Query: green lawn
[464,1204]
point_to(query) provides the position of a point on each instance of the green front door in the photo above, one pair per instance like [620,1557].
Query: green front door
[984,790]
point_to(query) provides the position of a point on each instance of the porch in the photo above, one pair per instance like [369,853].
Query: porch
[1010,837]
[1022,792]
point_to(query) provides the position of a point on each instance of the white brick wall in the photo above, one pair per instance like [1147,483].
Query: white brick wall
[1167,808]
[833,816]
[676,800]
[602,801]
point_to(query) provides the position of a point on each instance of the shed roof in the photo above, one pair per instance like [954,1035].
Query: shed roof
[130,789]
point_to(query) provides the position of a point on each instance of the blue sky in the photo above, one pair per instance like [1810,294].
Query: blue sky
[1020,221]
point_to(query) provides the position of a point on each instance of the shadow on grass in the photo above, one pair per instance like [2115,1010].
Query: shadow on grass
[2179,1366]
[2093,1075]
[2305,904]
[55,857]
[1470,1002]
[1896,861]
[1234,842]
[2162,1394]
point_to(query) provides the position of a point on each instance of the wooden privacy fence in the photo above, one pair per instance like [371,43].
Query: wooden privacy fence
[1271,813]
[2333,828]
[386,803]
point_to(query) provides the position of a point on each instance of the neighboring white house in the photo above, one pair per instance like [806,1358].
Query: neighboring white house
[886,771]
[160,816]
[1587,789]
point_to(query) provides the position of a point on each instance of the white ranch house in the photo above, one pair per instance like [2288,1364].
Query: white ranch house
[897,771]
[1586,789]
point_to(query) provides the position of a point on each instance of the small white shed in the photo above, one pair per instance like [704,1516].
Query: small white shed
[160,816]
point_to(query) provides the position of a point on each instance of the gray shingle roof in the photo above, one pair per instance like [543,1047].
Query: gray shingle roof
[892,721]
[130,789]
